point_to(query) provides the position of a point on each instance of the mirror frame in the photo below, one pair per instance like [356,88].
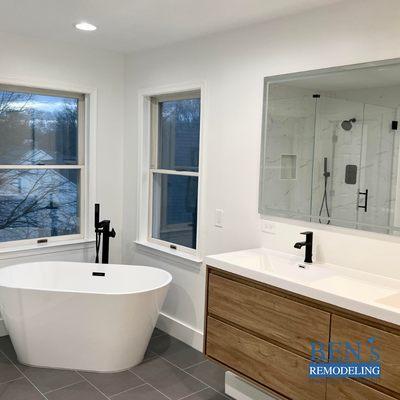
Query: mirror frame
[294,76]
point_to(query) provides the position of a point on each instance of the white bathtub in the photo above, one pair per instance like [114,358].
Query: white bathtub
[59,315]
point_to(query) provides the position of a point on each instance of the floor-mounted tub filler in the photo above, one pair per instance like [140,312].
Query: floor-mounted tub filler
[90,317]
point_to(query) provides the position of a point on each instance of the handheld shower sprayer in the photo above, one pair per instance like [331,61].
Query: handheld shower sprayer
[326,175]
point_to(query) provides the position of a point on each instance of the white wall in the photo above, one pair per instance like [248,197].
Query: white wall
[60,65]
[233,65]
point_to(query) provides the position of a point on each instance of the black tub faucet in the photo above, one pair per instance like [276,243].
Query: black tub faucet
[308,243]
[102,228]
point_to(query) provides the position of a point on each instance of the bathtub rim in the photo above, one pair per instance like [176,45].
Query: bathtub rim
[166,283]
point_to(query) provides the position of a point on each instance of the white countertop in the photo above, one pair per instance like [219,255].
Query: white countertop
[365,293]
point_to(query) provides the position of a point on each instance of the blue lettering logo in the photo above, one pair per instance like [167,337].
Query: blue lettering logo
[345,360]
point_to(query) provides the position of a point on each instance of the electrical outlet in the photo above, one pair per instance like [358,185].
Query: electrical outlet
[219,216]
[268,227]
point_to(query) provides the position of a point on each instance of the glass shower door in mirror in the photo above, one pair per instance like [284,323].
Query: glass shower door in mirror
[337,159]
[378,174]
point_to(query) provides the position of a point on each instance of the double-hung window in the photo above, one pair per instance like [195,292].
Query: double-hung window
[41,165]
[174,170]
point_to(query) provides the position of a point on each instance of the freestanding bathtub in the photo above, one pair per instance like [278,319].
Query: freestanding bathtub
[91,317]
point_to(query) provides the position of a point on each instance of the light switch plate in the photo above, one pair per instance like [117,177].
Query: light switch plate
[219,217]
[268,226]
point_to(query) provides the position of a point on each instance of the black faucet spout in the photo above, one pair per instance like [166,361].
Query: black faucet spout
[308,244]
[299,245]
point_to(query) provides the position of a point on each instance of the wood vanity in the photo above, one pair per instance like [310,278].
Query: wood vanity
[264,334]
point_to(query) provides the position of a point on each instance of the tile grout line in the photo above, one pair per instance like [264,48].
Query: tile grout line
[196,364]
[159,391]
[199,391]
[91,384]
[12,380]
[187,373]
[127,390]
[204,383]
[222,394]
[22,373]
[185,370]
[63,387]
[147,383]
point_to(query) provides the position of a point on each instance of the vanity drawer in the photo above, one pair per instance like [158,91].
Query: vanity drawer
[283,320]
[346,389]
[388,345]
[263,362]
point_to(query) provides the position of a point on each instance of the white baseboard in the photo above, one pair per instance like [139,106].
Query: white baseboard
[239,389]
[181,331]
[3,330]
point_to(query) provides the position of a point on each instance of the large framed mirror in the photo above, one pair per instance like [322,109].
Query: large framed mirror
[330,147]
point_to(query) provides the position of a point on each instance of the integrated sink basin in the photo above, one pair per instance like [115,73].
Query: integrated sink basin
[358,291]
[275,263]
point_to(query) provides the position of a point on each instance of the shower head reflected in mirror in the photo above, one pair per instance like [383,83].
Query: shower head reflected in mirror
[348,124]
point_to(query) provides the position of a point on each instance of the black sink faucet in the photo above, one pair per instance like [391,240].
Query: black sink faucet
[309,245]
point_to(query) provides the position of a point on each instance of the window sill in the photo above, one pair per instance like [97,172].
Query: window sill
[52,247]
[168,254]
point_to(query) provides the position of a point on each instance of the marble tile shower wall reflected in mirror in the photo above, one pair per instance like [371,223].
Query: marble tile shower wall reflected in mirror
[331,147]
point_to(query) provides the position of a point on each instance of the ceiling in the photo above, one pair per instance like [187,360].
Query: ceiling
[130,25]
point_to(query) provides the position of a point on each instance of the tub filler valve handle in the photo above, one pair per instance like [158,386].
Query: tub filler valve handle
[102,229]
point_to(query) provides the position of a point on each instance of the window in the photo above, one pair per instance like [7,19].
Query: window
[174,170]
[41,164]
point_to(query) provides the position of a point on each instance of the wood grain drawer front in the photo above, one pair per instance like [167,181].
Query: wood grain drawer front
[346,389]
[286,321]
[263,362]
[388,344]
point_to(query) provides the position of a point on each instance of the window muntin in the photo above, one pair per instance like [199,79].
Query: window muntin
[174,172]
[41,164]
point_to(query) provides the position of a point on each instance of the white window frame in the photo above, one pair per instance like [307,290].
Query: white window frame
[87,112]
[147,170]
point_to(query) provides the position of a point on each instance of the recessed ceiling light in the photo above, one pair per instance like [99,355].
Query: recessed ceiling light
[85,26]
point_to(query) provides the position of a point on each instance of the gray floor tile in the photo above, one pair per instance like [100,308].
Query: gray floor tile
[210,373]
[167,378]
[161,344]
[145,392]
[207,394]
[46,379]
[20,389]
[159,374]
[157,332]
[175,351]
[8,349]
[7,371]
[114,383]
[80,391]
[149,354]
